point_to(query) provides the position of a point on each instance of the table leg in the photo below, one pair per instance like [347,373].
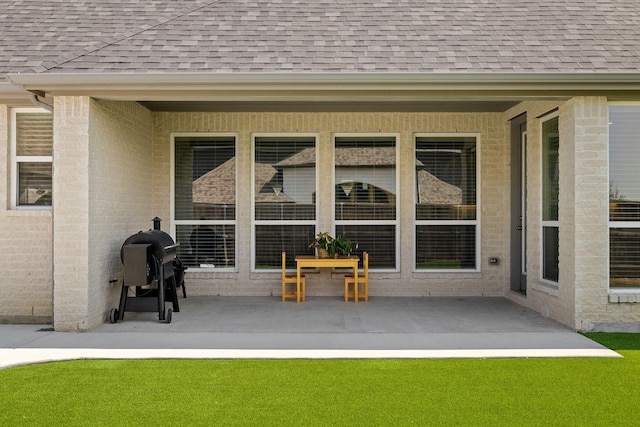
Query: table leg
[298,283]
[355,285]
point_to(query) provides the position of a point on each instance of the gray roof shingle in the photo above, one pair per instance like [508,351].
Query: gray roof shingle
[345,157]
[326,36]
[36,34]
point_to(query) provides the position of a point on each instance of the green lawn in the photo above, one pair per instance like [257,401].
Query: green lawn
[496,392]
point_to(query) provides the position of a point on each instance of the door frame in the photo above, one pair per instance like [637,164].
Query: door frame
[518,223]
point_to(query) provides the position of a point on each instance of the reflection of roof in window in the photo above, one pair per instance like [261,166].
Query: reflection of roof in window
[432,190]
[218,186]
[351,156]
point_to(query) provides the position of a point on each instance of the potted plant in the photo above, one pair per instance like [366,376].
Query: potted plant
[321,243]
[330,247]
[339,247]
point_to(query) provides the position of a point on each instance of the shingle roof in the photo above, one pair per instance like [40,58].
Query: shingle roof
[432,190]
[218,186]
[351,156]
[430,36]
[37,34]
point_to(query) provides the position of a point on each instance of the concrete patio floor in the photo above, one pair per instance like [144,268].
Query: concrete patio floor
[321,327]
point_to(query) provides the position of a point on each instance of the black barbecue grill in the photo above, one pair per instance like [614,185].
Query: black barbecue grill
[153,270]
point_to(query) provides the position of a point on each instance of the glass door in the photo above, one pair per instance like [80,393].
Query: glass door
[519,204]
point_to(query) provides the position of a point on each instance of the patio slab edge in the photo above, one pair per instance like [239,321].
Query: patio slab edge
[24,356]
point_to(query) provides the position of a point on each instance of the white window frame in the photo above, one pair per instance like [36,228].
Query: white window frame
[172,202]
[475,222]
[396,221]
[547,224]
[16,160]
[619,224]
[255,222]
[523,207]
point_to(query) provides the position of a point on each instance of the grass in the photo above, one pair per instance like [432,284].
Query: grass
[513,392]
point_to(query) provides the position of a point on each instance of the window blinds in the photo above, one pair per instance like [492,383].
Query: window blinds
[446,207]
[34,134]
[205,200]
[550,197]
[624,196]
[365,196]
[284,171]
[34,146]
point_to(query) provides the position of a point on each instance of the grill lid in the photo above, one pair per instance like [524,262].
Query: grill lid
[164,247]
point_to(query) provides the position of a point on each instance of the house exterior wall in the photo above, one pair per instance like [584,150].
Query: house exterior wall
[71,207]
[541,296]
[121,196]
[26,286]
[584,223]
[597,308]
[118,155]
[103,148]
[491,129]
[581,299]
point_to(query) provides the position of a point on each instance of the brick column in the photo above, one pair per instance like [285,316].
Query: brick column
[71,213]
[584,233]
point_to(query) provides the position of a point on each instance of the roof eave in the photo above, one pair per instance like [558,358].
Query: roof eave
[13,95]
[329,86]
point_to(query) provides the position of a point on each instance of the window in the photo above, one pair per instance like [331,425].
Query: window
[550,191]
[624,196]
[32,146]
[446,202]
[365,196]
[204,198]
[284,214]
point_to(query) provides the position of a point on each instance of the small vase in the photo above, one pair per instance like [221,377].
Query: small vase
[322,253]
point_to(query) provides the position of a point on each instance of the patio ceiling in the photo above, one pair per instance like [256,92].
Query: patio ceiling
[327,106]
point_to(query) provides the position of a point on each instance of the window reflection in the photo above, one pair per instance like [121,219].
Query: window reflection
[205,200]
[365,193]
[624,196]
[446,211]
[446,178]
[33,157]
[35,183]
[285,195]
[284,178]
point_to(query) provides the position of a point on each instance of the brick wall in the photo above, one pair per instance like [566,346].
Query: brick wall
[121,194]
[494,151]
[550,300]
[596,308]
[103,194]
[585,222]
[71,207]
[26,271]
[581,299]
